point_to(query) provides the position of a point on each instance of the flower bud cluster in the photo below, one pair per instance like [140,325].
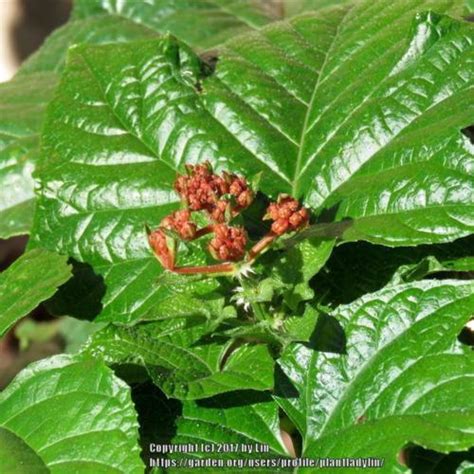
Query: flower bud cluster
[228,243]
[221,197]
[287,215]
[181,223]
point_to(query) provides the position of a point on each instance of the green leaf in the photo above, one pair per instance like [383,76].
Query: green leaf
[127,116]
[238,419]
[181,362]
[17,457]
[33,278]
[301,328]
[358,268]
[22,104]
[75,415]
[23,101]
[202,24]
[403,377]
[430,266]
[375,173]
[297,266]
[296,7]
[366,155]
[131,187]
[465,468]
[206,24]
[96,30]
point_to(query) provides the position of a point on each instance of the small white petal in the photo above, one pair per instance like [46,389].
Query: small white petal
[240,301]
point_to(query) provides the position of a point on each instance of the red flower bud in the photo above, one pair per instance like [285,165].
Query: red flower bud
[239,188]
[280,226]
[228,243]
[287,215]
[180,222]
[221,211]
[159,242]
[299,218]
[244,199]
[200,189]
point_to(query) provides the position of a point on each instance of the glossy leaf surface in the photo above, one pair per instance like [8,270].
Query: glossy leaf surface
[403,377]
[180,363]
[24,98]
[97,427]
[116,183]
[127,116]
[238,420]
[202,24]
[22,105]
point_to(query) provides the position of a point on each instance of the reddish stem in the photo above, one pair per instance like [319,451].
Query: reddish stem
[261,245]
[204,231]
[226,267]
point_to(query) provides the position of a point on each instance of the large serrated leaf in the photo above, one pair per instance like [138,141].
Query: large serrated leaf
[75,416]
[180,363]
[33,278]
[24,98]
[375,77]
[123,186]
[403,378]
[231,425]
[202,24]
[127,116]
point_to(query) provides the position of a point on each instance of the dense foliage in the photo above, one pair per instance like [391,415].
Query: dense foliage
[341,339]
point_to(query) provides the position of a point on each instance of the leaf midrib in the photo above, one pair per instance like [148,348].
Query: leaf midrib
[225,428]
[403,415]
[295,186]
[366,365]
[112,109]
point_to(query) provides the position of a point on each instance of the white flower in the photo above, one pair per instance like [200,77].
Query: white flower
[241,301]
[245,270]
